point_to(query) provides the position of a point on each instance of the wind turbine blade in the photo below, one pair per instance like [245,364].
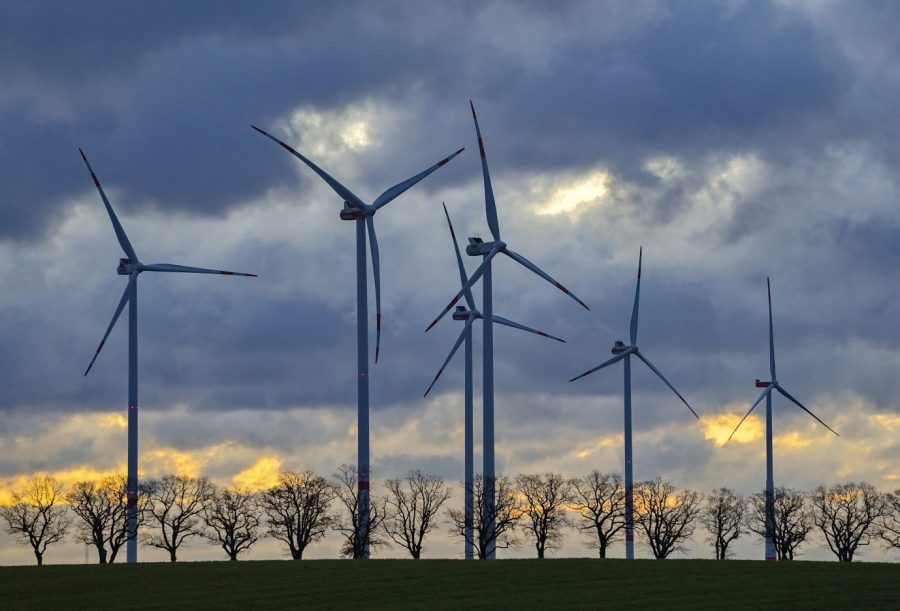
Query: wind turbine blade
[771,335]
[789,397]
[169,267]
[399,188]
[470,301]
[117,226]
[528,264]
[614,359]
[490,206]
[459,341]
[752,407]
[376,273]
[515,325]
[467,286]
[125,297]
[663,378]
[637,299]
[347,195]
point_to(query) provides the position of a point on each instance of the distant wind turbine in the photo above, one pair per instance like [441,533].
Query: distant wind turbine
[356,210]
[131,266]
[470,315]
[767,393]
[488,250]
[622,352]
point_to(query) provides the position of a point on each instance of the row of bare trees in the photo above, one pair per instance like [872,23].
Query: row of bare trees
[302,507]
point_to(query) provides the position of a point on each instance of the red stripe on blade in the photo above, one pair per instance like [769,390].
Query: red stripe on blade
[481,147]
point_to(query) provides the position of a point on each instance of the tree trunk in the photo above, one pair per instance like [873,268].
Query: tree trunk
[40,557]
[101,553]
[603,549]
[172,557]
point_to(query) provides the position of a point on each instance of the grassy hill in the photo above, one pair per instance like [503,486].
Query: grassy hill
[454,584]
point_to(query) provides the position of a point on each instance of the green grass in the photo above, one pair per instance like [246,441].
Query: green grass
[455,584]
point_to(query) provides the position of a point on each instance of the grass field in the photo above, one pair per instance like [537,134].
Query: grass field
[454,584]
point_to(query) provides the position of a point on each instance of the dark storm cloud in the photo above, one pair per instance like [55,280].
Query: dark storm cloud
[778,117]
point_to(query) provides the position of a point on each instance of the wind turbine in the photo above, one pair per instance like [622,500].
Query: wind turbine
[356,210]
[131,266]
[469,316]
[767,393]
[621,352]
[488,250]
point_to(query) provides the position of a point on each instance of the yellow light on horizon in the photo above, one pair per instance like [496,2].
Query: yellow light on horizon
[719,426]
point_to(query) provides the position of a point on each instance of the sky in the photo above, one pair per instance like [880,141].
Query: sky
[732,140]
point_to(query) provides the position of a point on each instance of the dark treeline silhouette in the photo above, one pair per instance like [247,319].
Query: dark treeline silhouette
[301,508]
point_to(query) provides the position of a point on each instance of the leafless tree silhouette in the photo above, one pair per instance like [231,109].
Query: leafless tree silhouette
[102,508]
[348,522]
[665,515]
[176,505]
[600,499]
[847,515]
[723,516]
[232,520]
[412,506]
[545,497]
[793,520]
[506,516]
[36,515]
[297,510]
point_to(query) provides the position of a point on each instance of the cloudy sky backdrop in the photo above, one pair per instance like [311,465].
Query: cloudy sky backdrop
[733,140]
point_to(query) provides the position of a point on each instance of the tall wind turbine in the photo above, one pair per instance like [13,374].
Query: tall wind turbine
[488,250]
[470,315]
[621,352]
[767,393]
[356,210]
[131,266]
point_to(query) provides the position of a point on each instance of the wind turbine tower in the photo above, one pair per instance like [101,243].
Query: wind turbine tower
[772,384]
[363,214]
[131,266]
[488,250]
[621,352]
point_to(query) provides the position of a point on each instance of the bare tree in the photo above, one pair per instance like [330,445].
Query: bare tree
[506,515]
[889,526]
[297,510]
[792,520]
[723,517]
[413,504]
[545,500]
[665,515]
[847,514]
[600,499]
[36,515]
[232,518]
[102,507]
[176,504]
[348,523]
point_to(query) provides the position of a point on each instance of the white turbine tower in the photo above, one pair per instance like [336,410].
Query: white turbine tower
[470,315]
[772,384]
[622,352]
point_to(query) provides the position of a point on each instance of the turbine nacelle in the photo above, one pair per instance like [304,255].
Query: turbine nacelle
[762,383]
[353,213]
[619,347]
[126,266]
[462,313]
[479,248]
